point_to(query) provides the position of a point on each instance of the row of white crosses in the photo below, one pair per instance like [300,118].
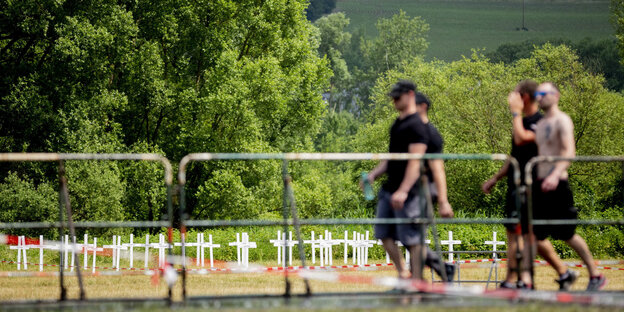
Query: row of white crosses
[359,242]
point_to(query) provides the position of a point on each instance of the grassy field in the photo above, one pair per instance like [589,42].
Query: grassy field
[457,26]
[18,288]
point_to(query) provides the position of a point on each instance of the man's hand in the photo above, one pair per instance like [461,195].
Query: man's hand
[488,185]
[515,102]
[445,210]
[398,199]
[371,180]
[550,183]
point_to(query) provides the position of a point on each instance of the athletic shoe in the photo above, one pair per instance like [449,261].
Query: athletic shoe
[522,285]
[597,283]
[450,272]
[507,285]
[568,280]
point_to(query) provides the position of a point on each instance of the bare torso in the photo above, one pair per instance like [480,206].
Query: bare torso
[551,135]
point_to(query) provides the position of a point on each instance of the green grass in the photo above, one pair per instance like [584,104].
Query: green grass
[459,26]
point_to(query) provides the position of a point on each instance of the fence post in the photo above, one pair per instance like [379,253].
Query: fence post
[64,192]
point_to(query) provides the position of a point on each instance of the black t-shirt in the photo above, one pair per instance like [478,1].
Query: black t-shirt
[524,153]
[404,132]
[435,146]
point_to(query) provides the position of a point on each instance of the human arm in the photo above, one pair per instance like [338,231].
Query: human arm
[568,149]
[375,173]
[489,184]
[521,136]
[412,173]
[439,178]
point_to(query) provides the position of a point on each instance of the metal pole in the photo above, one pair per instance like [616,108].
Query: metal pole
[169,238]
[183,216]
[434,229]
[72,231]
[286,180]
[61,258]
[295,219]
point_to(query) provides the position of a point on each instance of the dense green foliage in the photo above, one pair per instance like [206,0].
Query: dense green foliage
[598,57]
[170,77]
[318,8]
[175,77]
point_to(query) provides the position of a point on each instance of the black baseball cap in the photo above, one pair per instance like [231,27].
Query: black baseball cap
[421,98]
[401,87]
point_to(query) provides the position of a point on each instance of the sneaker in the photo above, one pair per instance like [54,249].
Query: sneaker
[523,285]
[567,279]
[597,283]
[507,285]
[450,272]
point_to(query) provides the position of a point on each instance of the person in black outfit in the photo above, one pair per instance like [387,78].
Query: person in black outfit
[399,196]
[434,170]
[525,116]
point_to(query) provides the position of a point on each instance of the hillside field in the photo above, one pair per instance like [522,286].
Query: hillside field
[459,26]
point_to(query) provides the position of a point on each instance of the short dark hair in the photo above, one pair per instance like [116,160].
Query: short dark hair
[554,85]
[422,99]
[401,87]
[527,87]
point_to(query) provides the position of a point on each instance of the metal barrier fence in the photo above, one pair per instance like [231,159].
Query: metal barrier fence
[289,208]
[66,205]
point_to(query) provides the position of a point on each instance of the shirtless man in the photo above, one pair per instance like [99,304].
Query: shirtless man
[552,197]
[525,116]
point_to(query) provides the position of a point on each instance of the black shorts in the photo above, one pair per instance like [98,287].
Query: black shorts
[554,205]
[511,211]
[407,234]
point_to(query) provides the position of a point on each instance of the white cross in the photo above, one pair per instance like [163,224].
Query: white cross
[93,248]
[494,243]
[242,248]
[117,247]
[75,247]
[161,246]
[85,254]
[210,245]
[41,247]
[346,243]
[130,246]
[450,242]
[184,244]
[187,244]
[21,250]
[281,243]
[313,246]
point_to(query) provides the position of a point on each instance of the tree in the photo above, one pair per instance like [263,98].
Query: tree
[318,8]
[400,38]
[469,108]
[598,57]
[162,76]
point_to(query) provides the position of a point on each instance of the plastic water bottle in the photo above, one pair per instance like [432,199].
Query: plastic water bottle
[368,188]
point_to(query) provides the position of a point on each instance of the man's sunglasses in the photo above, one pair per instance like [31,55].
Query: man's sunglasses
[542,93]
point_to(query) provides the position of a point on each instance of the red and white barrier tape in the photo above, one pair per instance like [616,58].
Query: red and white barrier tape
[258,269]
[467,291]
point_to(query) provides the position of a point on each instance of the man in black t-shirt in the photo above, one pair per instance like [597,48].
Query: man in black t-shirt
[523,147]
[436,176]
[399,197]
